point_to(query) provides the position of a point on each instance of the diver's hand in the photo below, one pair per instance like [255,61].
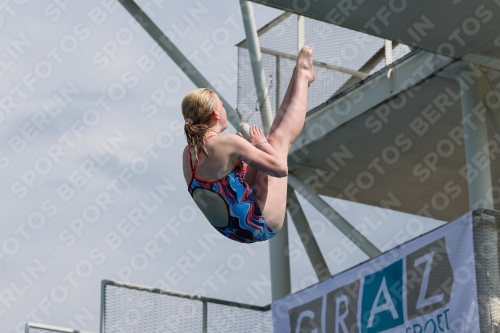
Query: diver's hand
[256,135]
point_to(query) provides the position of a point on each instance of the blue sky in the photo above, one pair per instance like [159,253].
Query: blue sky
[90,158]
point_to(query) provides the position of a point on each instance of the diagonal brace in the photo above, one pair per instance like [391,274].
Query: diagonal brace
[306,236]
[338,221]
[180,60]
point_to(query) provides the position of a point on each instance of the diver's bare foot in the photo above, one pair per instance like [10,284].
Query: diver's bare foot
[305,64]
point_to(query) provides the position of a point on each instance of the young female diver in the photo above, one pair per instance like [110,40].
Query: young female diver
[239,185]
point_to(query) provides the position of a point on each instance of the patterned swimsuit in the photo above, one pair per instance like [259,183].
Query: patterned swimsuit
[246,223]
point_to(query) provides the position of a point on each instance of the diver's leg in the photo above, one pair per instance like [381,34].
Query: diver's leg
[271,191]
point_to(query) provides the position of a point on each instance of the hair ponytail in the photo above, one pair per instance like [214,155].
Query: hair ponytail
[194,136]
[197,107]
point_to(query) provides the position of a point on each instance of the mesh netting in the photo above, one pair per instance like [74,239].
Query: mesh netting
[345,50]
[130,309]
[222,319]
[486,229]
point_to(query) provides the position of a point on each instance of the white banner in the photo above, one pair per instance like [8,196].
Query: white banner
[427,285]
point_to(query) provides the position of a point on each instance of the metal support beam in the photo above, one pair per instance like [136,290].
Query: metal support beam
[281,284]
[205,317]
[300,32]
[358,18]
[316,63]
[176,55]
[255,59]
[472,89]
[102,320]
[412,69]
[367,67]
[277,82]
[482,60]
[42,327]
[388,52]
[306,236]
[280,262]
[338,221]
[266,28]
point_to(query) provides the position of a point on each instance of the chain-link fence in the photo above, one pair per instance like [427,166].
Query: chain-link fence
[486,231]
[127,308]
[342,58]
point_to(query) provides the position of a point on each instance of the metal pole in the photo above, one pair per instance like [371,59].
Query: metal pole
[476,138]
[281,285]
[300,32]
[255,59]
[474,91]
[205,317]
[324,208]
[176,55]
[102,328]
[388,52]
[277,81]
[306,236]
[280,263]
[42,327]
[316,63]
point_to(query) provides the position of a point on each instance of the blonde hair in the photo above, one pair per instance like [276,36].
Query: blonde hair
[198,105]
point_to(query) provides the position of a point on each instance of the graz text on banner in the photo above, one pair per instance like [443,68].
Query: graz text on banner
[427,285]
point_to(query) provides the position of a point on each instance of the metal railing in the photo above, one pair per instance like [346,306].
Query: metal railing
[133,308]
[41,328]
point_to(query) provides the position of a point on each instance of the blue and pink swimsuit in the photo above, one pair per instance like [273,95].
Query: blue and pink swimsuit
[246,223]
